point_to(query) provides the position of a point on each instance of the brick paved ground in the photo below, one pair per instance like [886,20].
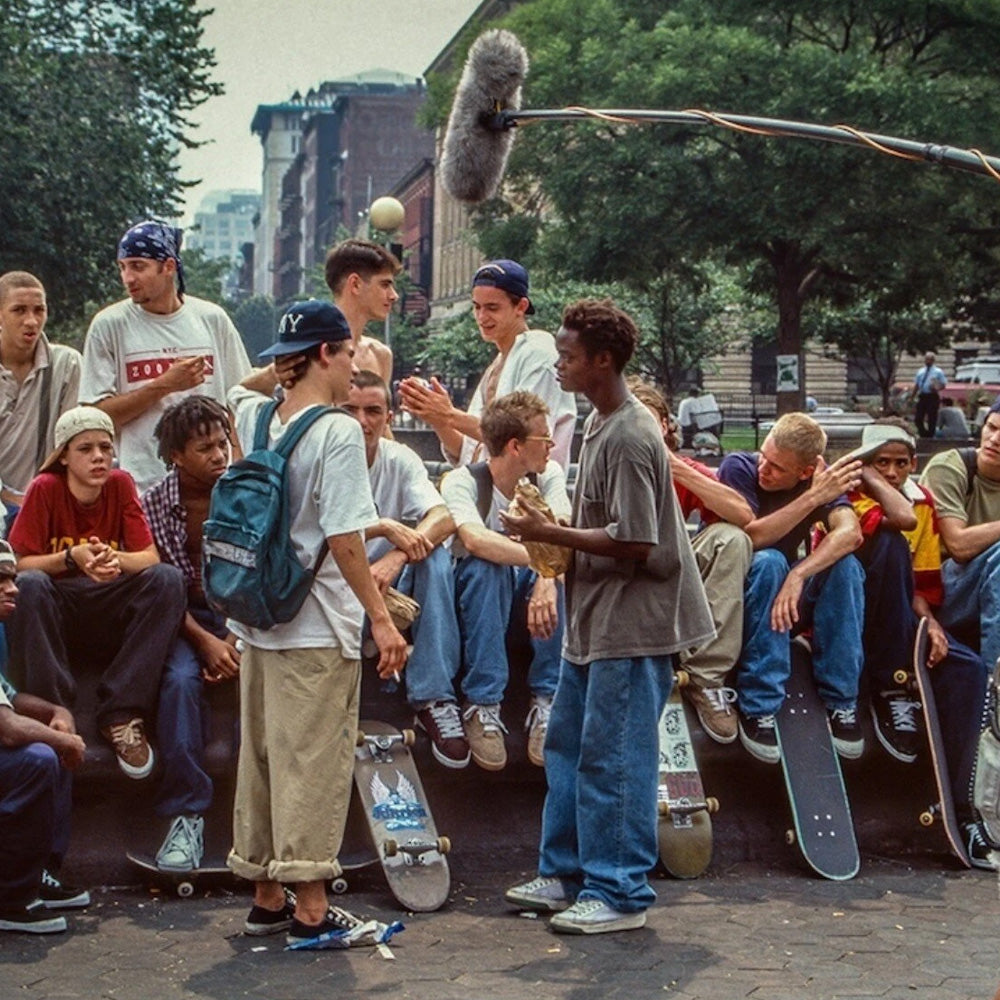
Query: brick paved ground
[898,930]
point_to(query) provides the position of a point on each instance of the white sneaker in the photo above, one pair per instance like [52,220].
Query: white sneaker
[183,848]
[546,894]
[594,916]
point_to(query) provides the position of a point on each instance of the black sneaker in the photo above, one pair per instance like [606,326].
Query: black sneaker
[846,732]
[335,920]
[261,921]
[54,895]
[759,738]
[895,716]
[977,845]
[443,724]
[32,919]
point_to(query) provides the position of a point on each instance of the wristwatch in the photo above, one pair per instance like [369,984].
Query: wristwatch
[70,561]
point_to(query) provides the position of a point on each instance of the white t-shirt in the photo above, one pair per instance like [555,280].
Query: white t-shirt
[531,366]
[460,492]
[401,488]
[329,495]
[127,347]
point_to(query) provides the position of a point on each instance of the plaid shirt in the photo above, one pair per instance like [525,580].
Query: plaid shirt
[165,513]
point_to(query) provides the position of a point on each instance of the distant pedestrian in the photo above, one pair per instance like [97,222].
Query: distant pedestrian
[927,386]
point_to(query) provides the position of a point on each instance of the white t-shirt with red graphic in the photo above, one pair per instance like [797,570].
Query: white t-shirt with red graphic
[127,347]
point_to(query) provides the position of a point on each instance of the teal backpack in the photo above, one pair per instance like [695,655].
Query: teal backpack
[249,569]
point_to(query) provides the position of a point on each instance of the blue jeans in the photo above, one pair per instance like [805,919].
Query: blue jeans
[602,767]
[972,599]
[492,602]
[434,662]
[35,802]
[182,726]
[833,602]
[958,681]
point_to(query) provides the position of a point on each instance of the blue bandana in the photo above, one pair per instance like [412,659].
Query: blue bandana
[154,241]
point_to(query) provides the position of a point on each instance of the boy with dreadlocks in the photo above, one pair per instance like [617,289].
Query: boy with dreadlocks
[193,440]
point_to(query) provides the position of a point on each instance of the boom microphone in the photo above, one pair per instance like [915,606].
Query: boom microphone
[477,142]
[488,106]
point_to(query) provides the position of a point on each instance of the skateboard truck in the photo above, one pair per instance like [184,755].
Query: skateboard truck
[413,851]
[380,745]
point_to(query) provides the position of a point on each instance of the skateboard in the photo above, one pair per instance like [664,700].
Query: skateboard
[821,813]
[944,808]
[183,883]
[402,828]
[684,830]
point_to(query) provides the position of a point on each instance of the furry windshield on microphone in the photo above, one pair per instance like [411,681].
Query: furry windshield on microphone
[488,106]
[475,149]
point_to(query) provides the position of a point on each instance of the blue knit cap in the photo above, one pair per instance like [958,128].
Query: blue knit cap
[154,241]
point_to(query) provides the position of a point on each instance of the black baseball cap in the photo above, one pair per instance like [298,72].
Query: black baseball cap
[505,274]
[306,324]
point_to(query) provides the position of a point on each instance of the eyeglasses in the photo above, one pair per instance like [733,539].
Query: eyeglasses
[540,437]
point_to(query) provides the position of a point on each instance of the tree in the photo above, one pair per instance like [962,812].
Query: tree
[96,95]
[203,275]
[805,220]
[257,320]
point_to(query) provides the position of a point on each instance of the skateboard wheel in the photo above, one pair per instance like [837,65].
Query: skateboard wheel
[789,837]
[663,807]
[443,845]
[339,886]
[927,818]
[712,804]
[409,737]
[900,676]
[390,848]
[185,889]
[682,678]
[359,740]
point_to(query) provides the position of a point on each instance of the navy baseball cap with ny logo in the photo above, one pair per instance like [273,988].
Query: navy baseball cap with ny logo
[306,324]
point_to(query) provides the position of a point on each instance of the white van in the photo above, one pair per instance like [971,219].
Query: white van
[985,369]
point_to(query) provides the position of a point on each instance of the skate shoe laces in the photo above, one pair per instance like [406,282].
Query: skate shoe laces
[448,721]
[720,698]
[904,714]
[489,717]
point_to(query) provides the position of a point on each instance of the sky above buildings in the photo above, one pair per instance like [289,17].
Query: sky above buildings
[267,49]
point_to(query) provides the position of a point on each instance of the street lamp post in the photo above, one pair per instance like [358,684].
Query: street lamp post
[386,215]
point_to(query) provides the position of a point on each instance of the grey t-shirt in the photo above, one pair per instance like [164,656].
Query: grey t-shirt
[620,608]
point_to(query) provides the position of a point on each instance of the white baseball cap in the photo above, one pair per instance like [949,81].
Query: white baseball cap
[73,422]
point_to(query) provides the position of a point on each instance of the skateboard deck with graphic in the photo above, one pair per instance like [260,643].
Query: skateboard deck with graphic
[183,883]
[685,825]
[821,812]
[402,828]
[941,812]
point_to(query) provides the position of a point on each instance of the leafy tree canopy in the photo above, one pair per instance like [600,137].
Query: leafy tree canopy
[96,97]
[804,220]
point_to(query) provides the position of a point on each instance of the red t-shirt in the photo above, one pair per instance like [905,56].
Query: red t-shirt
[52,519]
[688,501]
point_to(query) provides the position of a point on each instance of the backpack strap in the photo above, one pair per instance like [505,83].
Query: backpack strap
[263,425]
[483,478]
[44,413]
[293,435]
[289,440]
[969,458]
